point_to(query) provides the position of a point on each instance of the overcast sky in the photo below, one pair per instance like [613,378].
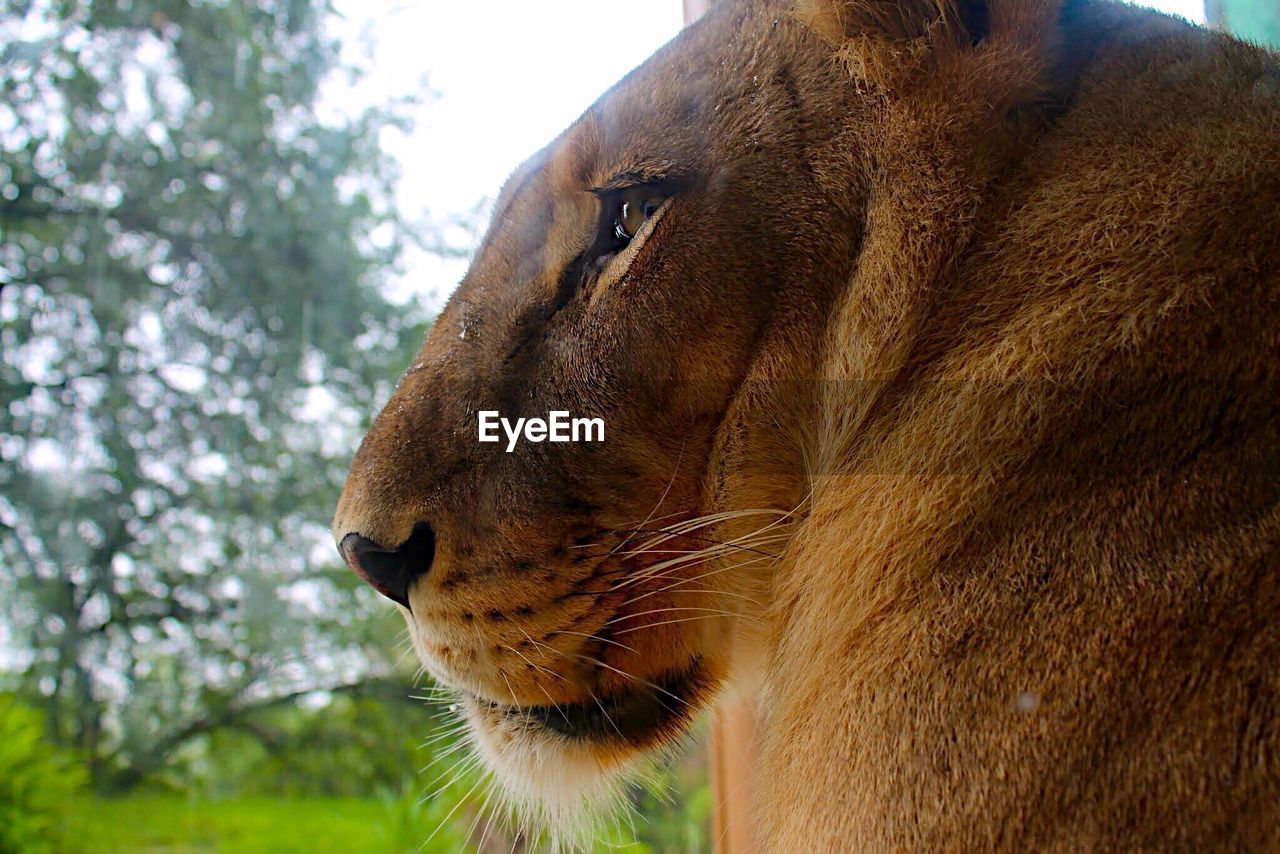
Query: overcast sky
[510,75]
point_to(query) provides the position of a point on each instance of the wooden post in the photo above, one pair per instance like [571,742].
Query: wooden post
[694,9]
[734,748]
[1213,14]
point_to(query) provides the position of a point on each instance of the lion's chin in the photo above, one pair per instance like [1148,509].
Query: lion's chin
[564,766]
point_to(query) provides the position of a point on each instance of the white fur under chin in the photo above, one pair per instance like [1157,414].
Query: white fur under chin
[554,785]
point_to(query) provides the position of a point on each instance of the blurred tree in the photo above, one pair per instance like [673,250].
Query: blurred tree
[356,743]
[191,333]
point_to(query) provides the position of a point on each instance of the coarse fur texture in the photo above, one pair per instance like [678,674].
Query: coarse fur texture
[942,410]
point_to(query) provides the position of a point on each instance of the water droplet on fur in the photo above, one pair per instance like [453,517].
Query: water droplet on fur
[453,707]
[1028,701]
[466,325]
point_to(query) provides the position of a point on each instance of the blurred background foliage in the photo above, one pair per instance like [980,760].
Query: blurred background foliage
[193,336]
[38,781]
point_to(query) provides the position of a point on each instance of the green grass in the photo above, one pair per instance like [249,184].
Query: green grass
[393,824]
[158,823]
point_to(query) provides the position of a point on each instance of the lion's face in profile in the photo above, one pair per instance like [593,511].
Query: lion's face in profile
[920,370]
[664,266]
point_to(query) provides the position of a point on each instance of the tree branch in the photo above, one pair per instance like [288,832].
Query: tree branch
[233,715]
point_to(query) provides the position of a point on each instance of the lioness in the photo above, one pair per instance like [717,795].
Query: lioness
[937,346]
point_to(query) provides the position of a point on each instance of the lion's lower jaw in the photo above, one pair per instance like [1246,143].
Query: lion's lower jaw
[555,786]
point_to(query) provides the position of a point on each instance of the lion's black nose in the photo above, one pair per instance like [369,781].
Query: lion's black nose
[390,571]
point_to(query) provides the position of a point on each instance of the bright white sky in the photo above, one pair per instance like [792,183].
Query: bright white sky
[510,75]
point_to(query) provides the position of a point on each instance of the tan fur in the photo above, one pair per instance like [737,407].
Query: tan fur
[981,303]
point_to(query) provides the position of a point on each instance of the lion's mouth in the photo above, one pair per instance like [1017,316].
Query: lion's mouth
[648,713]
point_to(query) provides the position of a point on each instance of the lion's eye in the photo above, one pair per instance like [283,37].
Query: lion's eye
[633,207]
[623,213]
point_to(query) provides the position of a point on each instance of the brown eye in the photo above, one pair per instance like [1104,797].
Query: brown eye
[634,207]
[623,212]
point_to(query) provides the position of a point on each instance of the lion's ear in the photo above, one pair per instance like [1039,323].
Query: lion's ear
[883,39]
[896,20]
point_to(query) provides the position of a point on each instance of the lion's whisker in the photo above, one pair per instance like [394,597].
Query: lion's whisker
[463,767]
[632,677]
[685,527]
[674,471]
[753,538]
[657,570]
[484,806]
[681,581]
[539,667]
[449,815]
[605,712]
[526,660]
[708,540]
[670,568]
[594,638]
[510,690]
[488,825]
[592,695]
[431,698]
[440,736]
[671,588]
[673,622]
[627,526]
[442,756]
[632,616]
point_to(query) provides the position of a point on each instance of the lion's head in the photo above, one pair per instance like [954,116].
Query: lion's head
[833,282]
[665,265]
[670,265]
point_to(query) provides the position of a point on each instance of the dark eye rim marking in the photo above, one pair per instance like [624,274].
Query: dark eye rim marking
[655,173]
